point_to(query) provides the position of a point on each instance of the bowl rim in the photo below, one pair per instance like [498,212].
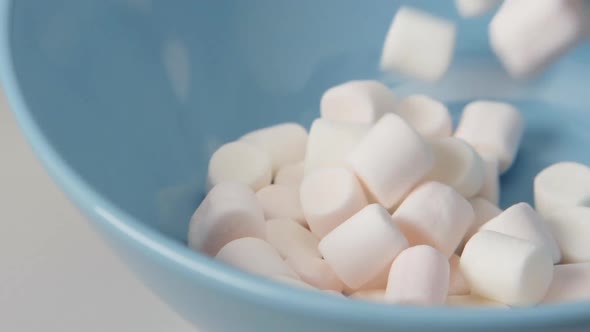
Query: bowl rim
[227,279]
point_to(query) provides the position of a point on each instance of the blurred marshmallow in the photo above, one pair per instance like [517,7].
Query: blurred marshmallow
[290,175]
[473,301]
[473,8]
[490,189]
[279,201]
[315,271]
[570,284]
[562,185]
[429,117]
[457,284]
[240,162]
[373,295]
[571,229]
[291,239]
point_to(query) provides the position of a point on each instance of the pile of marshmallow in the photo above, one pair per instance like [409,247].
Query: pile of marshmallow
[383,200]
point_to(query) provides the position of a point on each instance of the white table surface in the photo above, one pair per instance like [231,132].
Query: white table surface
[44,284]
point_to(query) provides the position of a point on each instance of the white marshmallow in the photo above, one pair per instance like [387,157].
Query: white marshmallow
[291,239]
[378,282]
[418,44]
[571,230]
[473,8]
[240,162]
[429,117]
[490,189]
[330,143]
[562,185]
[285,143]
[484,211]
[229,211]
[255,256]
[357,102]
[329,196]
[457,283]
[521,221]
[473,301]
[315,271]
[358,259]
[436,215]
[528,37]
[390,160]
[290,175]
[570,283]
[280,201]
[458,165]
[506,269]
[373,295]
[419,276]
[492,127]
[292,282]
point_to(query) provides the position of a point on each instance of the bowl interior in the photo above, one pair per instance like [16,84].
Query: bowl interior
[135,95]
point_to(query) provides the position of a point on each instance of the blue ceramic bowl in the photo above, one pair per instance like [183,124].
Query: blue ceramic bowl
[125,100]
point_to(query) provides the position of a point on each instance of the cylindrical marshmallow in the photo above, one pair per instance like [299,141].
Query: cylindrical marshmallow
[457,283]
[490,189]
[418,44]
[358,259]
[521,221]
[571,229]
[255,256]
[484,211]
[279,201]
[436,215]
[229,211]
[570,284]
[290,175]
[285,143]
[315,271]
[357,102]
[419,276]
[240,162]
[291,239]
[473,8]
[373,295]
[526,37]
[492,127]
[458,165]
[506,269]
[429,117]
[473,301]
[330,142]
[391,159]
[562,185]
[329,196]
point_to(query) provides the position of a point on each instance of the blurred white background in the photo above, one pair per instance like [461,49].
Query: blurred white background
[56,274]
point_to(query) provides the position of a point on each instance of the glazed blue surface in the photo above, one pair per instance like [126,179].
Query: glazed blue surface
[124,101]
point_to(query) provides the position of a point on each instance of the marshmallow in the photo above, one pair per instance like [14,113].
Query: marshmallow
[330,143]
[255,256]
[528,37]
[561,185]
[357,102]
[473,301]
[292,282]
[315,271]
[473,8]
[457,284]
[492,127]
[418,44]
[506,269]
[570,283]
[484,211]
[291,239]
[390,160]
[358,259]
[436,215]
[419,276]
[280,201]
[240,162]
[571,229]
[373,295]
[378,282]
[458,165]
[229,211]
[429,117]
[285,143]
[329,196]
[521,221]
[490,189]
[290,175]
